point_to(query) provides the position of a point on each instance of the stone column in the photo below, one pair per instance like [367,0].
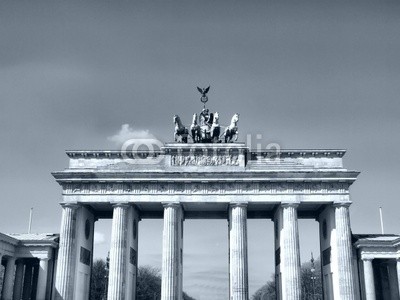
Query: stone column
[171,289]
[66,254]
[369,279]
[42,279]
[132,251]
[34,280]
[290,253]
[26,291]
[118,258]
[398,272]
[19,276]
[344,251]
[238,265]
[9,279]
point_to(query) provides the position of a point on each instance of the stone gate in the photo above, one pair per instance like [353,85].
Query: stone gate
[204,180]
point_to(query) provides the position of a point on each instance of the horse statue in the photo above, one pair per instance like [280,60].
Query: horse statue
[232,129]
[215,128]
[180,131]
[195,130]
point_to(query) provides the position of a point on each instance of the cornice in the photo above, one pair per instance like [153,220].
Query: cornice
[366,244]
[173,148]
[296,153]
[38,243]
[275,175]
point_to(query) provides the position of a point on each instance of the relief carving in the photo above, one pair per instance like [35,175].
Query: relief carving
[213,188]
[196,187]
[162,188]
[204,160]
[207,187]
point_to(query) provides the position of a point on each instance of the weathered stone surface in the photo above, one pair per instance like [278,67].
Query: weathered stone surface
[209,181]
[118,253]
[238,264]
[172,256]
[65,276]
[344,251]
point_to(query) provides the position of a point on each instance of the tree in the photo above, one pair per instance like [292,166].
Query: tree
[266,292]
[99,280]
[148,283]
[311,284]
[187,297]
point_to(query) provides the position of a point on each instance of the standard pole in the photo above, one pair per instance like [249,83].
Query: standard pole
[380,213]
[30,220]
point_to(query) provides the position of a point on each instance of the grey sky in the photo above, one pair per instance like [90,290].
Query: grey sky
[305,74]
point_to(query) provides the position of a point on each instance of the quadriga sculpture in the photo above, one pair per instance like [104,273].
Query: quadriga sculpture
[181,132]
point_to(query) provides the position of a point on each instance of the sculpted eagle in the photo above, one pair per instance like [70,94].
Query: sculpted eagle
[203,91]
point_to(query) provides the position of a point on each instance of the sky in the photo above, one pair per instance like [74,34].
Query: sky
[303,74]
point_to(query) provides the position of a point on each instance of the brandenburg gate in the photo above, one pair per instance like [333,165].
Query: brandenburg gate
[206,179]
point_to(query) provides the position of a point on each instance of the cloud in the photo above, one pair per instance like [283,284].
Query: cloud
[99,238]
[127,132]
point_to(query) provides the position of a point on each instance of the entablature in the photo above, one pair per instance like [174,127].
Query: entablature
[205,187]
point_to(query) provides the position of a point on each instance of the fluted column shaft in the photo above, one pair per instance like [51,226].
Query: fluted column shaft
[65,276]
[369,280]
[26,291]
[42,279]
[34,280]
[171,289]
[398,272]
[238,264]
[344,251]
[118,257]
[19,276]
[9,279]
[290,253]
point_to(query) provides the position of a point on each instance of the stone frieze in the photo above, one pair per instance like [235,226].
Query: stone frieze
[113,188]
[204,160]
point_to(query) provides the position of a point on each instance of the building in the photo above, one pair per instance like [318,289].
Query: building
[28,263]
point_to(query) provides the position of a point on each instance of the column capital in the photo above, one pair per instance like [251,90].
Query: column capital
[171,204]
[72,205]
[367,259]
[342,204]
[120,204]
[12,259]
[290,204]
[238,204]
[44,258]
